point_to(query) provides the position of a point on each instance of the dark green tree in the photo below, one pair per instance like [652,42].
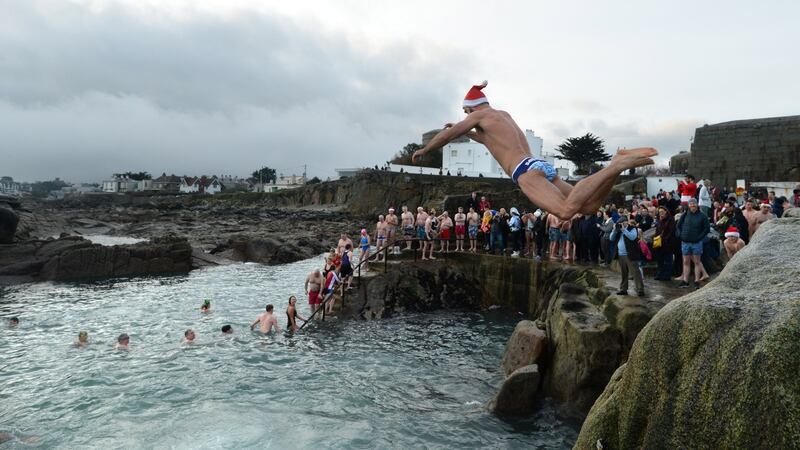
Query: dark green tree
[41,189]
[583,151]
[138,176]
[314,180]
[432,159]
[264,174]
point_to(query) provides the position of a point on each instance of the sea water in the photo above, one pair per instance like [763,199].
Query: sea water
[412,381]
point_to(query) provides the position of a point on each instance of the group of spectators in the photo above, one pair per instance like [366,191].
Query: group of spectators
[684,232]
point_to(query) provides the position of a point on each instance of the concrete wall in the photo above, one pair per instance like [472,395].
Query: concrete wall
[753,150]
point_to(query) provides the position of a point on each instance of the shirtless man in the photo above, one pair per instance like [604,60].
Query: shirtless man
[313,288]
[473,222]
[422,218]
[83,339]
[123,340]
[554,234]
[537,179]
[763,216]
[188,337]
[750,215]
[380,238]
[461,228]
[266,321]
[733,243]
[407,219]
[343,241]
[445,225]
[391,228]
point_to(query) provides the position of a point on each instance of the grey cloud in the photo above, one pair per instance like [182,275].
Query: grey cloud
[84,93]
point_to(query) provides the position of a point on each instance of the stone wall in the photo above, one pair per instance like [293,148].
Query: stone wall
[753,150]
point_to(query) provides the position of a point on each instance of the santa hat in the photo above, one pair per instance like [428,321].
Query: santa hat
[474,96]
[732,232]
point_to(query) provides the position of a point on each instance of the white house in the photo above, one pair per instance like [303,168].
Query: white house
[9,187]
[473,158]
[203,185]
[285,182]
[119,184]
[657,183]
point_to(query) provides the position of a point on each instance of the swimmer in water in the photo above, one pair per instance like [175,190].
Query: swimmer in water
[122,342]
[83,339]
[206,306]
[188,336]
[266,321]
[14,321]
[227,329]
[292,316]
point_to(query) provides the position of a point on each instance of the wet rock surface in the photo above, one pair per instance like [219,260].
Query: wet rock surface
[75,258]
[517,395]
[718,367]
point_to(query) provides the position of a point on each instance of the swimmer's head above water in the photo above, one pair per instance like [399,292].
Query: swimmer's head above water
[189,335]
[227,329]
[123,340]
[14,321]
[83,338]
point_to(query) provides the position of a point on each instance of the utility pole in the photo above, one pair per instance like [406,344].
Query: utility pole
[261,178]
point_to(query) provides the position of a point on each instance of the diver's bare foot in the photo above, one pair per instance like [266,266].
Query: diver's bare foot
[635,157]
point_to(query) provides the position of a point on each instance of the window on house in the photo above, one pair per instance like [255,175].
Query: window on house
[453,153]
[469,152]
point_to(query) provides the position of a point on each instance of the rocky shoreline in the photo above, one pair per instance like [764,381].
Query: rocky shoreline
[48,235]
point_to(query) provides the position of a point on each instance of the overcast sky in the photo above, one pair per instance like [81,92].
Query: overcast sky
[88,88]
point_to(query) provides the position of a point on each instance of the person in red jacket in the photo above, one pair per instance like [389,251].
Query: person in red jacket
[687,189]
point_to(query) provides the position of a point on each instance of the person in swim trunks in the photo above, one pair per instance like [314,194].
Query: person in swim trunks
[431,234]
[391,228]
[407,220]
[536,178]
[445,225]
[313,288]
[380,237]
[554,235]
[473,221]
[422,219]
[461,228]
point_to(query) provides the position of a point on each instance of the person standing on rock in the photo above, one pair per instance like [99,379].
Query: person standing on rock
[363,245]
[431,234]
[692,228]
[313,288]
[347,266]
[391,229]
[343,242]
[763,216]
[554,233]
[626,239]
[331,280]
[422,218]
[407,219]
[461,228]
[380,238]
[536,178]
[445,225]
[473,221]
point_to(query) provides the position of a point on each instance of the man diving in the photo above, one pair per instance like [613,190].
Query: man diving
[536,178]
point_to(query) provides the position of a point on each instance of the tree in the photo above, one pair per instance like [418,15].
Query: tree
[583,151]
[264,174]
[136,176]
[432,159]
[41,189]
[314,180]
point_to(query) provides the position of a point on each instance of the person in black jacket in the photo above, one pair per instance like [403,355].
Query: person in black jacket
[693,228]
[665,230]
[472,202]
[626,239]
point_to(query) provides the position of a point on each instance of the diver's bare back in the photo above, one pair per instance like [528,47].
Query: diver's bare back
[503,137]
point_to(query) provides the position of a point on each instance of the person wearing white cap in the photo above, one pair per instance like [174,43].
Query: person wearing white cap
[536,178]
[733,243]
[391,229]
[763,216]
[515,225]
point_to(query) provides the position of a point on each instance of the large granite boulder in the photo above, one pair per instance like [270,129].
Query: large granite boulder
[526,346]
[517,396]
[717,368]
[8,224]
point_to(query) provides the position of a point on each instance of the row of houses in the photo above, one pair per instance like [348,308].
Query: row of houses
[12,188]
[199,185]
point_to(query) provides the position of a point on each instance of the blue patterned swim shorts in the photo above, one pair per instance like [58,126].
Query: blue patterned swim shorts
[534,164]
